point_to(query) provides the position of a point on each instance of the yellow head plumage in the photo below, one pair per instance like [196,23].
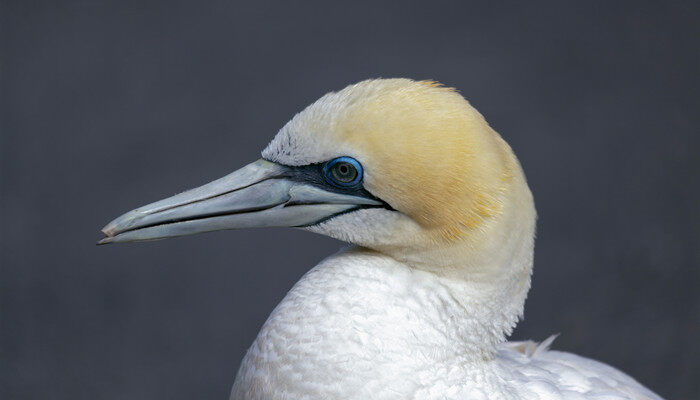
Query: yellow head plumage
[432,155]
[425,150]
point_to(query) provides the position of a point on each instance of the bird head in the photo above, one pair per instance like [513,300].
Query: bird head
[407,168]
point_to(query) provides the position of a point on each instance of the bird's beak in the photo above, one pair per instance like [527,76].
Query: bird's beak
[261,194]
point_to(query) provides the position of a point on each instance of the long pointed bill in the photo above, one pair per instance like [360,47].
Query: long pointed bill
[261,194]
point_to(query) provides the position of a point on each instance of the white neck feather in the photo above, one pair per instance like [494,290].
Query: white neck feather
[361,318]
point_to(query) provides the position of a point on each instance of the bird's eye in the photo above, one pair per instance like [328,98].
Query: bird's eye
[343,171]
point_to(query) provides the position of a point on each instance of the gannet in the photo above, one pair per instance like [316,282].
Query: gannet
[441,224]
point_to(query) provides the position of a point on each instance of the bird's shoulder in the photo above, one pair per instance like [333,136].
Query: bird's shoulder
[542,373]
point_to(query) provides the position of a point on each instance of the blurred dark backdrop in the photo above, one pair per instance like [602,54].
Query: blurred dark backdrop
[107,105]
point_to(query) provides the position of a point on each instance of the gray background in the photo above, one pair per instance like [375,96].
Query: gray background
[108,105]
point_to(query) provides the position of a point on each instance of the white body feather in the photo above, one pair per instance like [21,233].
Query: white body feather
[363,326]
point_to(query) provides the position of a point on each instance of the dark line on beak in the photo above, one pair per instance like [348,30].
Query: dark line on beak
[197,217]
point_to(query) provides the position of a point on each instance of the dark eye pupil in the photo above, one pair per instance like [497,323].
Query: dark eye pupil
[344,172]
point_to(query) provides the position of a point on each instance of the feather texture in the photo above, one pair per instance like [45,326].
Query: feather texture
[362,326]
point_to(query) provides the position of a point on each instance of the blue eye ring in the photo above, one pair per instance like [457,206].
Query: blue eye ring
[343,172]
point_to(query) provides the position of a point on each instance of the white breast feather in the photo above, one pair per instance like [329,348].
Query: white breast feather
[363,326]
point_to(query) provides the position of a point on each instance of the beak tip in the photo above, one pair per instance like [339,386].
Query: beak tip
[103,241]
[122,223]
[111,228]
